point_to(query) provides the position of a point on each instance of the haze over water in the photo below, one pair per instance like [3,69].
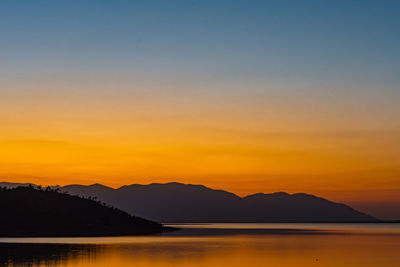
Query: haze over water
[217,245]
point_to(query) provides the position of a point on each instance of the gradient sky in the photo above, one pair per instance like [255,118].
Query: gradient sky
[248,96]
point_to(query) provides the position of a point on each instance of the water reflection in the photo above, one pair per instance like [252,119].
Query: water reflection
[319,247]
[26,254]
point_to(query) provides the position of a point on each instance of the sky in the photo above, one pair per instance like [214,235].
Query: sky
[246,96]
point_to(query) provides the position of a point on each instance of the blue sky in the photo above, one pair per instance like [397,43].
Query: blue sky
[351,41]
[297,96]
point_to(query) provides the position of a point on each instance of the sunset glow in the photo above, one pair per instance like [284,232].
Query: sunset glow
[121,98]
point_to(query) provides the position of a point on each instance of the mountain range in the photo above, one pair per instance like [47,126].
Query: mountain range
[177,202]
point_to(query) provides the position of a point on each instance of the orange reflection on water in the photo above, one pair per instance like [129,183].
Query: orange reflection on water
[330,249]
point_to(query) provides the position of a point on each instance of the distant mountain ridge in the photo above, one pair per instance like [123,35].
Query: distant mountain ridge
[177,202]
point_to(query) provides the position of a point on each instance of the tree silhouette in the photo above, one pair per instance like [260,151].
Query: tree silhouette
[26,211]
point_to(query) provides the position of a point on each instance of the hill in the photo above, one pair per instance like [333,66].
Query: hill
[175,202]
[27,211]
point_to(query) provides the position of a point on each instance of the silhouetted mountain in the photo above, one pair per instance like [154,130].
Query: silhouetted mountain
[14,185]
[26,211]
[175,202]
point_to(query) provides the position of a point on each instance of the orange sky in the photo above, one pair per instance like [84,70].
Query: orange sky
[331,146]
[248,97]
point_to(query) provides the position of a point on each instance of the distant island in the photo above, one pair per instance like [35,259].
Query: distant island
[176,202]
[31,212]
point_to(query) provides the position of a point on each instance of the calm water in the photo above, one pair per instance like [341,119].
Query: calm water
[218,245]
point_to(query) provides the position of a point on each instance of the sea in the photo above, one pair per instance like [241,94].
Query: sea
[218,244]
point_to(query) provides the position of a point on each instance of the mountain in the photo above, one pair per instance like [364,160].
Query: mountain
[26,211]
[14,185]
[176,202]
